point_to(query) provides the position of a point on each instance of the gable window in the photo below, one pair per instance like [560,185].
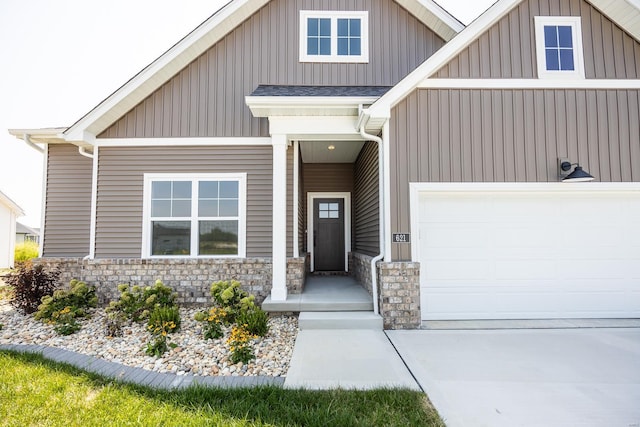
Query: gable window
[334,36]
[187,215]
[559,47]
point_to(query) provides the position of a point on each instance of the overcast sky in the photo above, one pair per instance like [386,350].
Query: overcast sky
[61,58]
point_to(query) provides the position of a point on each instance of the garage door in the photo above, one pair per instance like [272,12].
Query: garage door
[528,252]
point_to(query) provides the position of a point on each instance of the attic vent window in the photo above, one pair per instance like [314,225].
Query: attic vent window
[334,36]
[559,47]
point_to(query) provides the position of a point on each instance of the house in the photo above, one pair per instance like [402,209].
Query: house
[26,234]
[9,211]
[379,138]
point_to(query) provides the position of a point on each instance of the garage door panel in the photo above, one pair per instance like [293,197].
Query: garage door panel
[529,254]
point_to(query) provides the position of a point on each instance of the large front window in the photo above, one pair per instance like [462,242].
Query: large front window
[334,36]
[194,215]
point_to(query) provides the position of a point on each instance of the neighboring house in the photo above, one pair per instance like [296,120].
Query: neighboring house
[26,234]
[283,136]
[9,211]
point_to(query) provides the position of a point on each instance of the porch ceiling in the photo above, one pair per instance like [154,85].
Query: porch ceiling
[319,152]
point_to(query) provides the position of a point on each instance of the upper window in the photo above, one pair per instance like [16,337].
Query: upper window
[336,36]
[559,47]
[188,215]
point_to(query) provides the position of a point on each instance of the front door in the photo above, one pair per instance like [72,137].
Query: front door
[328,234]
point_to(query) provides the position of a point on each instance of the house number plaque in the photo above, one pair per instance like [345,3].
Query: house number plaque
[401,238]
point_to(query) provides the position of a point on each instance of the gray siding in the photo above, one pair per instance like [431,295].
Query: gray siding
[302,226]
[366,201]
[207,97]
[509,136]
[290,214]
[507,49]
[327,177]
[120,191]
[68,202]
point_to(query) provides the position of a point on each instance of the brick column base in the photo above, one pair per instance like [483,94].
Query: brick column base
[399,284]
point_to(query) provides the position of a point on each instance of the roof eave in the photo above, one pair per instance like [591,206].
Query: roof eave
[11,204]
[269,106]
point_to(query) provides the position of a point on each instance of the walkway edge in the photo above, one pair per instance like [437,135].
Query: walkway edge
[139,376]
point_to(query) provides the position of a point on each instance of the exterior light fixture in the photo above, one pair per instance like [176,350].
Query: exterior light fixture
[331,147]
[578,174]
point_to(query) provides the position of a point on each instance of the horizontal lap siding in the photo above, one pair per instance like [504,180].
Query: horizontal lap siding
[68,202]
[120,191]
[507,49]
[366,201]
[509,136]
[206,98]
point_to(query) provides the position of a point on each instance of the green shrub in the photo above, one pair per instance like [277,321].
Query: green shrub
[26,251]
[214,319]
[255,321]
[162,322]
[240,345]
[65,306]
[137,303]
[30,284]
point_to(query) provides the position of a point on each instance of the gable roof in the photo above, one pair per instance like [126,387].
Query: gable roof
[200,40]
[24,229]
[4,199]
[625,13]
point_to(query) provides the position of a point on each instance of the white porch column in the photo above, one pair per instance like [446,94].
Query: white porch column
[279,288]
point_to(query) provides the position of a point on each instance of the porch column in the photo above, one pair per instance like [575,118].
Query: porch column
[279,285]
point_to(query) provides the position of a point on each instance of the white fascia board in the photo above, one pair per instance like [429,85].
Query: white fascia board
[529,84]
[506,187]
[625,13]
[433,16]
[267,106]
[41,136]
[169,142]
[327,127]
[382,107]
[163,68]
[13,206]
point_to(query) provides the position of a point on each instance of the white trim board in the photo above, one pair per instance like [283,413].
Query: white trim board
[529,84]
[169,142]
[346,196]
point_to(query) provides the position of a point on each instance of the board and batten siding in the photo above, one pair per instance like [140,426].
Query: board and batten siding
[508,49]
[207,98]
[366,201]
[120,191]
[67,216]
[509,136]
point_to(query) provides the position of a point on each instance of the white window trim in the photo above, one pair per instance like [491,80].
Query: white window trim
[242,211]
[578,54]
[334,15]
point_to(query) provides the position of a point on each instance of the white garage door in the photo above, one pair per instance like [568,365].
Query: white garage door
[517,251]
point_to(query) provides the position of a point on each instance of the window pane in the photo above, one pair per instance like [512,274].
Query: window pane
[323,214]
[228,208]
[553,62]
[218,238]
[208,208]
[333,206]
[324,206]
[566,59]
[354,28]
[229,189]
[312,26]
[161,208]
[182,190]
[343,46]
[334,214]
[312,46]
[325,27]
[354,48]
[161,190]
[343,27]
[325,46]
[564,36]
[181,208]
[208,189]
[550,36]
[171,238]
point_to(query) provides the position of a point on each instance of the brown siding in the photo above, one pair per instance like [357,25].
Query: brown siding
[207,97]
[301,205]
[327,177]
[509,136]
[68,202]
[120,191]
[366,201]
[289,201]
[507,49]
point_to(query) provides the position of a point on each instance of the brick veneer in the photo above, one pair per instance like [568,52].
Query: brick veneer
[190,278]
[399,284]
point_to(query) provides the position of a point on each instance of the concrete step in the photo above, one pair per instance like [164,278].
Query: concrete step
[339,320]
[304,302]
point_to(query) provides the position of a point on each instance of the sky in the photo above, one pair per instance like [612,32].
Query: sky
[59,59]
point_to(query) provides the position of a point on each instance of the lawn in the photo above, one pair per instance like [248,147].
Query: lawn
[35,391]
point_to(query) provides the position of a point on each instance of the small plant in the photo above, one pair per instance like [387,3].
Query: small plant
[30,284]
[113,324]
[255,320]
[137,303]
[26,251]
[1,326]
[65,306]
[240,345]
[162,322]
[214,319]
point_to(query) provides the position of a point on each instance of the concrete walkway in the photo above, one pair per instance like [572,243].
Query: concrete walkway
[528,377]
[348,359]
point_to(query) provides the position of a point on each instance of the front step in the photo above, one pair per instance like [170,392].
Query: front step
[339,320]
[305,302]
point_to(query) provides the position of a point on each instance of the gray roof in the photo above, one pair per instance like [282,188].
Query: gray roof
[347,91]
[24,229]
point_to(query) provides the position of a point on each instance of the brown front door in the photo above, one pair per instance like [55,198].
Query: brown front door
[328,234]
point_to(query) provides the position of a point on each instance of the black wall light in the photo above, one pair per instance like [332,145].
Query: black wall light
[578,174]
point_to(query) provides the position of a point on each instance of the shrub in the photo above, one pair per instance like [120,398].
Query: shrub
[113,324]
[240,345]
[214,319]
[65,306]
[26,251]
[137,303]
[30,283]
[162,322]
[255,321]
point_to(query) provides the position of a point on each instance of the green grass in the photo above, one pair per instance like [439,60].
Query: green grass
[35,392]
